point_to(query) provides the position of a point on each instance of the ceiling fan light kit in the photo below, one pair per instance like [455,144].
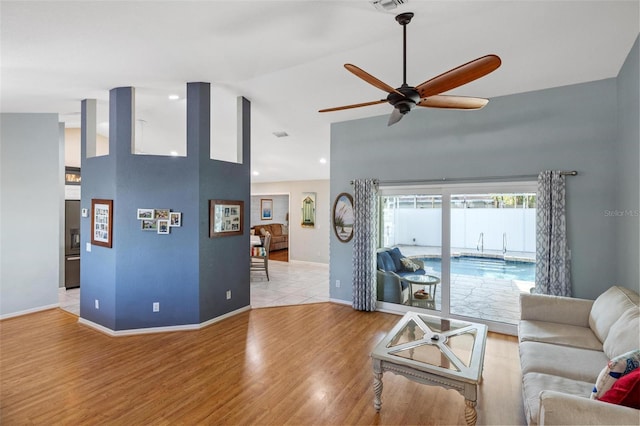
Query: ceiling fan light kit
[427,94]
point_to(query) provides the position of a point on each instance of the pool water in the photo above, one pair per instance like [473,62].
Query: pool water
[485,267]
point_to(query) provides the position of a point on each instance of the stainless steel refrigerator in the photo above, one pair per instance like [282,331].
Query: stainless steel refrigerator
[72,244]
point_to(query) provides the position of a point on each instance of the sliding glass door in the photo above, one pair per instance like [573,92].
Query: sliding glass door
[476,240]
[411,225]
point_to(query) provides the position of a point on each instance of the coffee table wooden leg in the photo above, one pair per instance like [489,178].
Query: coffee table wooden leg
[470,413]
[377,389]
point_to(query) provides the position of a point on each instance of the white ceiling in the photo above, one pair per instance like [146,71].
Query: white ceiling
[287,57]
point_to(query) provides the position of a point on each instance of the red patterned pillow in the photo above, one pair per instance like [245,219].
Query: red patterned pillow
[625,391]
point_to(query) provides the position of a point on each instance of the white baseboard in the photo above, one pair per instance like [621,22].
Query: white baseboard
[306,262]
[150,330]
[29,311]
[341,302]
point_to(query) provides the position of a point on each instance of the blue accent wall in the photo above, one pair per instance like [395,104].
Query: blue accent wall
[185,271]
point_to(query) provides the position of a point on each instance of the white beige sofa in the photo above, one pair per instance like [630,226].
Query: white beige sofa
[564,344]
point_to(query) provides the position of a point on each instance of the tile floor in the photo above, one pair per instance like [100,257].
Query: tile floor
[291,283]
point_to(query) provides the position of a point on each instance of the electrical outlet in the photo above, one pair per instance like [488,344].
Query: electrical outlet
[156,306]
[228,294]
[337,283]
[97,303]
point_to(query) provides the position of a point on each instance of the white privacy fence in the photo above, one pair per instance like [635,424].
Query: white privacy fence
[515,228]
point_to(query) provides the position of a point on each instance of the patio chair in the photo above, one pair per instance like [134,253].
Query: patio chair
[260,256]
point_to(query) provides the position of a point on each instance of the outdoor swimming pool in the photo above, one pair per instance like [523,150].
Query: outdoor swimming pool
[485,267]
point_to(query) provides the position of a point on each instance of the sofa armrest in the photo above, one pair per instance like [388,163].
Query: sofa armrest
[558,408]
[389,287]
[558,309]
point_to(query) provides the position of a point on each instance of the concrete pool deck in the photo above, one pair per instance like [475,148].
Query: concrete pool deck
[490,299]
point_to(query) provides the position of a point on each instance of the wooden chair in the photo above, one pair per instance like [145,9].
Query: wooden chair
[260,256]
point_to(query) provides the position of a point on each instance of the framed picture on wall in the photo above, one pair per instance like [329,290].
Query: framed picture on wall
[102,222]
[163,226]
[308,210]
[175,219]
[226,218]
[343,217]
[149,225]
[266,209]
[145,214]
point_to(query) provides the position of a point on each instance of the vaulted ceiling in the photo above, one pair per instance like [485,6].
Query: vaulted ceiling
[287,58]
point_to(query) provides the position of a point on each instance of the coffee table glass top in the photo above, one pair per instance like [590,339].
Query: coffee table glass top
[436,343]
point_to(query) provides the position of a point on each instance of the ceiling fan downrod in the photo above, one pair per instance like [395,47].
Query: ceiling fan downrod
[404,19]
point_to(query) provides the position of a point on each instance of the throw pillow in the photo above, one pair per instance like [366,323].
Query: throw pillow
[396,256]
[409,264]
[263,231]
[625,391]
[616,368]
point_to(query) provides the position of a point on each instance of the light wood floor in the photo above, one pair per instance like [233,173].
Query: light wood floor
[287,365]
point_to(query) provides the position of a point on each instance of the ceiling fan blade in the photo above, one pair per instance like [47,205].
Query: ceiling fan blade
[453,102]
[395,117]
[353,106]
[458,76]
[371,79]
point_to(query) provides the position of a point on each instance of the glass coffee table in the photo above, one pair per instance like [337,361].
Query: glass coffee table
[433,351]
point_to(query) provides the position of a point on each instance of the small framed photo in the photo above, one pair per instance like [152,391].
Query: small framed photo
[163,226]
[175,219]
[102,223]
[161,214]
[145,214]
[149,225]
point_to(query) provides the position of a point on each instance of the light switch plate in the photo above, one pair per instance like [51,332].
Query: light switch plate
[85,213]
[88,247]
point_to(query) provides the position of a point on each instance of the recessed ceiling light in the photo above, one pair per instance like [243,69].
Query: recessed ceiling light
[280,134]
[256,173]
[174,97]
[323,161]
[174,153]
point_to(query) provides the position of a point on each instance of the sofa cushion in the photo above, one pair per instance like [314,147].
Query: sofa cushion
[385,262]
[397,258]
[616,368]
[534,383]
[625,391]
[564,361]
[624,334]
[276,229]
[559,334]
[608,307]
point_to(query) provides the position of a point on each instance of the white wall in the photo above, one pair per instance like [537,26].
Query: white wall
[305,244]
[423,227]
[31,202]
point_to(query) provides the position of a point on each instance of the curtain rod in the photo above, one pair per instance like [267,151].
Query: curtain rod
[467,179]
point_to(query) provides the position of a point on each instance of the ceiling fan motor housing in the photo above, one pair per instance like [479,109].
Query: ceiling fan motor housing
[405,103]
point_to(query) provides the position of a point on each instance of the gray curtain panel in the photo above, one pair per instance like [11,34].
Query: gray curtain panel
[553,269]
[365,211]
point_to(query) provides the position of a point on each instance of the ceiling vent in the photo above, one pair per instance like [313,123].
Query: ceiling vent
[386,5]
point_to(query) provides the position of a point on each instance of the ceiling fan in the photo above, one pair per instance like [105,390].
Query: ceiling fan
[427,94]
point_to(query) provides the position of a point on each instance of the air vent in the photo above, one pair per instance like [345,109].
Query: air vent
[386,5]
